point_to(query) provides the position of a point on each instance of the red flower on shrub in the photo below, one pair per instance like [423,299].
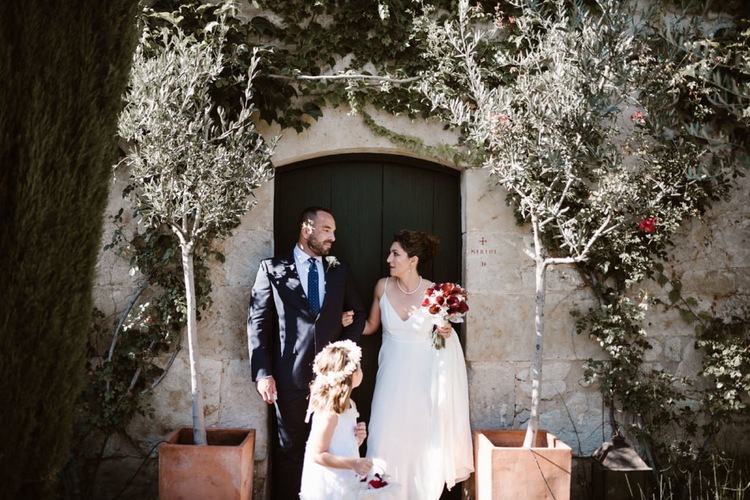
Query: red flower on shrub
[648,224]
[638,117]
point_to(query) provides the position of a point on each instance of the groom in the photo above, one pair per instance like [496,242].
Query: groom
[295,310]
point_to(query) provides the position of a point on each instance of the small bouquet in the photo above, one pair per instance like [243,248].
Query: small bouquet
[376,482]
[375,485]
[446,302]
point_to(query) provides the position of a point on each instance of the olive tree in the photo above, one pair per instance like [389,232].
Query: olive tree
[193,163]
[553,100]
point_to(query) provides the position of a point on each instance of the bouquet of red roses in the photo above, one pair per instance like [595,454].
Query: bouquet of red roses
[446,302]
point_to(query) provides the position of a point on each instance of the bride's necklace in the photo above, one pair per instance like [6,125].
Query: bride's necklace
[398,284]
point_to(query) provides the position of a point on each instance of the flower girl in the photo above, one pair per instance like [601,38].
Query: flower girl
[332,463]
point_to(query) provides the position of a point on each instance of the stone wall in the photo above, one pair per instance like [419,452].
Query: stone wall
[712,256]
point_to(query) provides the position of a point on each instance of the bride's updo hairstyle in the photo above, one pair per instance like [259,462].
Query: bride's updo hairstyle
[423,245]
[334,367]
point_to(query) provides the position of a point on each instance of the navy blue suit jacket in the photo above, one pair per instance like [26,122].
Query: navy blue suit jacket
[284,334]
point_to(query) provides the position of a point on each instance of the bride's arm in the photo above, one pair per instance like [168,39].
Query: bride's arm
[372,323]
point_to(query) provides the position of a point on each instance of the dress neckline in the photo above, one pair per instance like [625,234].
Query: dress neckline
[385,294]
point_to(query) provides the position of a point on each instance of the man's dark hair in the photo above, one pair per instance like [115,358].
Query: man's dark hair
[311,213]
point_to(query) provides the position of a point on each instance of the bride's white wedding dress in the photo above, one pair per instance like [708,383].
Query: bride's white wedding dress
[419,425]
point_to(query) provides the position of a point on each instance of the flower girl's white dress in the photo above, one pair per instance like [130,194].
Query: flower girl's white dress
[324,483]
[419,428]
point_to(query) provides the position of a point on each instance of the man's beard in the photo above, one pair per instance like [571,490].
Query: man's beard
[318,247]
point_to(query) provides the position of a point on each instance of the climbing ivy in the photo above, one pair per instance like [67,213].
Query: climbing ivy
[701,93]
[724,338]
[357,53]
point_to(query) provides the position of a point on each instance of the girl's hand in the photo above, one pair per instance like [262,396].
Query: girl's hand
[362,466]
[347,318]
[360,432]
[444,331]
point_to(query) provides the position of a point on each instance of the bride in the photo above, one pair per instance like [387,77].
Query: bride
[419,427]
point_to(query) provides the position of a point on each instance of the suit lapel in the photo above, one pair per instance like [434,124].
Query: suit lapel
[330,276]
[285,268]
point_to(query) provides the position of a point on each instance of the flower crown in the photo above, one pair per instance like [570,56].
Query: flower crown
[354,355]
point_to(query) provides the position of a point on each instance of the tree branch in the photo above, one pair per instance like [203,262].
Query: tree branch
[347,76]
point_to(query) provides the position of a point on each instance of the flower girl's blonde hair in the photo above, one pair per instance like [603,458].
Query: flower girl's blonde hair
[333,368]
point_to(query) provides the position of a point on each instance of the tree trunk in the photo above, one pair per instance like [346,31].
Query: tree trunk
[199,421]
[536,370]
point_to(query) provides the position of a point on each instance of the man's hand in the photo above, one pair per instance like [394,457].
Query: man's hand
[267,389]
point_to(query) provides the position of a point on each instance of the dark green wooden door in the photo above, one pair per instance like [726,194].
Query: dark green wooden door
[372,197]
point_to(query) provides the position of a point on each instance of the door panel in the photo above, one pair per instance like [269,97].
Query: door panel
[372,197]
[356,200]
[447,226]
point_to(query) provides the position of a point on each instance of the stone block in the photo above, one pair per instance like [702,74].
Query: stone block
[501,328]
[491,394]
[690,360]
[223,328]
[673,349]
[485,207]
[242,406]
[326,136]
[494,262]
[171,399]
[554,376]
[243,252]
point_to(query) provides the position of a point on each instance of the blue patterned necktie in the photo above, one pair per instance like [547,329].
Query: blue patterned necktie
[312,286]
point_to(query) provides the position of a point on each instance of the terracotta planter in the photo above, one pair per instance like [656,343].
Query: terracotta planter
[506,470]
[221,470]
